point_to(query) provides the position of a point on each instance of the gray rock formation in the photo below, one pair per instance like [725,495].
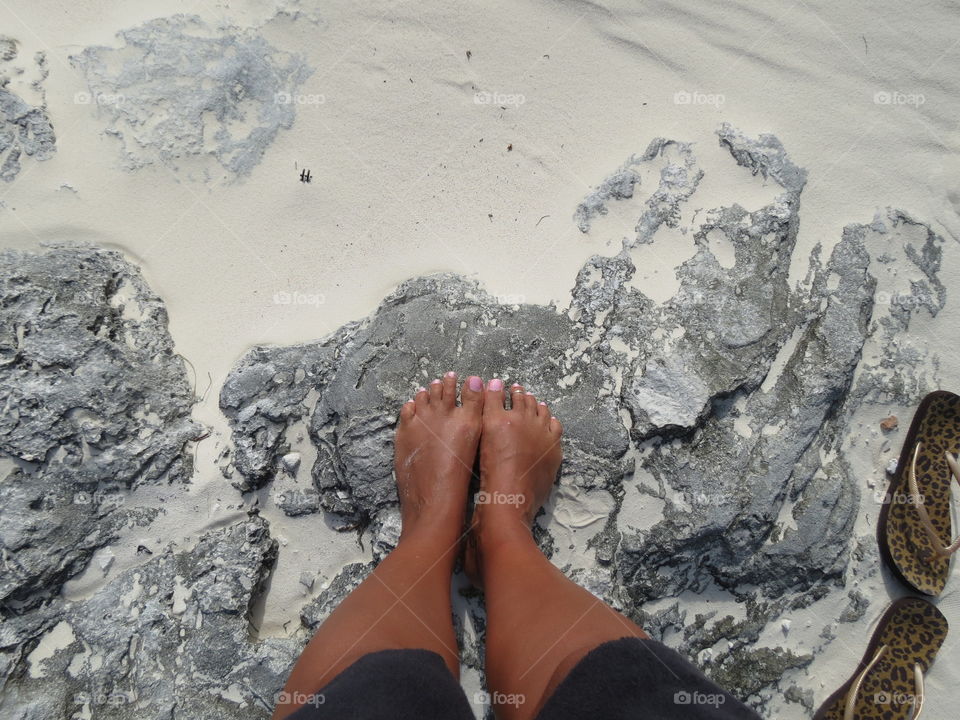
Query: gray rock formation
[150,90]
[678,181]
[25,129]
[618,185]
[725,492]
[97,404]
[262,397]
[899,243]
[764,155]
[364,372]
[679,178]
[170,638]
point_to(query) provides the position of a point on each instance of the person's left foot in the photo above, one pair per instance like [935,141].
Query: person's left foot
[434,451]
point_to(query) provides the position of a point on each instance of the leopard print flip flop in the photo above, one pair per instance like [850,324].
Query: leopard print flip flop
[888,684]
[914,529]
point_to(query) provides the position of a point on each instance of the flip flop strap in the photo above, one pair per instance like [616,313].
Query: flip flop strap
[851,701]
[918,690]
[918,503]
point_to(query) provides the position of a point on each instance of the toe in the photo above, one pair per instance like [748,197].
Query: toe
[543,412]
[530,403]
[493,402]
[450,389]
[471,394]
[436,391]
[407,411]
[555,426]
[421,398]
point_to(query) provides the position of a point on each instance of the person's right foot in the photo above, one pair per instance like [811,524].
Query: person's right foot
[434,450]
[520,455]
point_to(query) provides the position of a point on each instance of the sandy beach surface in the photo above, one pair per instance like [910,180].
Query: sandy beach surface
[458,138]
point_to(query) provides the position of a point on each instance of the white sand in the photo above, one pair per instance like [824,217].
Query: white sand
[402,184]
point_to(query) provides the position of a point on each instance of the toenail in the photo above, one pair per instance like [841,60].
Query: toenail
[435,382]
[421,389]
[516,385]
[495,384]
[475,384]
[542,403]
[529,393]
[450,374]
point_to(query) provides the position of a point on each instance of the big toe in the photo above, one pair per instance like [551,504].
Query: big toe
[471,394]
[493,401]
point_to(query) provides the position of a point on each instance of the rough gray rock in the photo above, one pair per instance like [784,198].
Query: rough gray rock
[764,155]
[177,90]
[720,332]
[426,327]
[734,487]
[802,697]
[616,186]
[97,404]
[169,638]
[295,499]
[25,129]
[678,181]
[898,241]
[857,607]
[8,48]
[326,602]
[429,325]
[262,397]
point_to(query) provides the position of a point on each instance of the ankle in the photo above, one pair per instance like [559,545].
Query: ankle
[438,520]
[503,528]
[494,508]
[433,538]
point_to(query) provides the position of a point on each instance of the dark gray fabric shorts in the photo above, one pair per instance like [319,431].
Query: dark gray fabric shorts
[626,678]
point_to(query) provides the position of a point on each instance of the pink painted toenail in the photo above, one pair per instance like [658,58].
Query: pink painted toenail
[450,374]
[542,403]
[421,389]
[495,384]
[475,383]
[435,382]
[529,393]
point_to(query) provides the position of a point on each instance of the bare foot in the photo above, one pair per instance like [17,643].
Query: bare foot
[520,455]
[434,452]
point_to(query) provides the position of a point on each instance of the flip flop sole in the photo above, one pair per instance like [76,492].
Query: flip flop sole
[913,630]
[905,545]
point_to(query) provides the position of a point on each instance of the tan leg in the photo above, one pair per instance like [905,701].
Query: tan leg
[405,603]
[539,622]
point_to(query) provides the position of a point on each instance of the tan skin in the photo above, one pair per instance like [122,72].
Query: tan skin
[539,622]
